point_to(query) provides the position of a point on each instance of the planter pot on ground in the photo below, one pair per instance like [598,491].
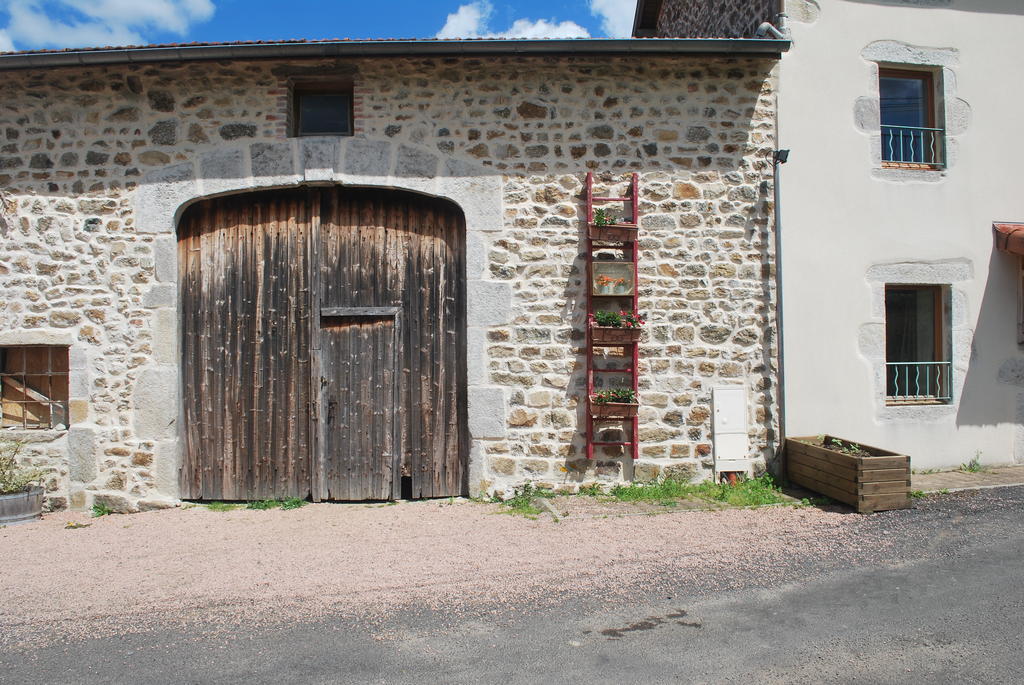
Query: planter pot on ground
[613,410]
[613,334]
[616,233]
[21,507]
[876,481]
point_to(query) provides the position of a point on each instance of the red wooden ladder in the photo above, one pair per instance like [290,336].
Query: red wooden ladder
[606,292]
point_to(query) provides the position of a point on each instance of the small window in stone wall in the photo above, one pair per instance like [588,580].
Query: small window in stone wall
[322,109]
[34,387]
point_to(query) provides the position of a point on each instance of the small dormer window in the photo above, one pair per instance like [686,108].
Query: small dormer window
[323,112]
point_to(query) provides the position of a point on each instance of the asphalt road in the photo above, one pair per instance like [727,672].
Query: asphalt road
[947,608]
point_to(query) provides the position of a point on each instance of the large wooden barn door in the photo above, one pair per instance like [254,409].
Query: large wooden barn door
[323,337]
[245,304]
[397,258]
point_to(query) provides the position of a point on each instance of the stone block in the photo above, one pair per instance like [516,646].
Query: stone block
[367,157]
[319,158]
[646,472]
[165,259]
[221,171]
[489,303]
[78,411]
[165,336]
[37,336]
[160,295]
[117,504]
[156,504]
[78,384]
[684,471]
[159,196]
[414,162]
[503,466]
[476,356]
[166,461]
[78,358]
[154,402]
[487,413]
[272,159]
[78,499]
[81,453]
[479,197]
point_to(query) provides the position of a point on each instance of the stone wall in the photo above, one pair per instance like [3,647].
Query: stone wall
[95,164]
[715,18]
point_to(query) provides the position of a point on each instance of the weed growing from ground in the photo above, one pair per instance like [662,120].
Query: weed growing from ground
[100,509]
[974,465]
[264,504]
[748,493]
[592,490]
[522,501]
[293,503]
[918,494]
[222,506]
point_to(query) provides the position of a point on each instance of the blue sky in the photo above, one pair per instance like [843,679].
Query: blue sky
[35,24]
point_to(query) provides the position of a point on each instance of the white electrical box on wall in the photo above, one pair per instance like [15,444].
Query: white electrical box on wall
[729,428]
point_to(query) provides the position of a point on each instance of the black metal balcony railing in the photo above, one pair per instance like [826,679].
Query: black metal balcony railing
[913,145]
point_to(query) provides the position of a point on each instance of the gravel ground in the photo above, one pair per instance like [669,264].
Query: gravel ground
[126,574]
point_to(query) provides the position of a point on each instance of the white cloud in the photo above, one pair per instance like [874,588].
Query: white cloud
[473,21]
[6,44]
[90,23]
[616,16]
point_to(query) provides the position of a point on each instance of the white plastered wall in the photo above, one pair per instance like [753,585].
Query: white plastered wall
[849,226]
[163,195]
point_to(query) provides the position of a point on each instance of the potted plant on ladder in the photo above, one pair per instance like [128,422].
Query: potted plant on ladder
[607,228]
[616,327]
[615,403]
[21,496]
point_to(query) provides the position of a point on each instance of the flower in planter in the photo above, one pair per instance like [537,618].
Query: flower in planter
[603,218]
[621,319]
[615,396]
[631,320]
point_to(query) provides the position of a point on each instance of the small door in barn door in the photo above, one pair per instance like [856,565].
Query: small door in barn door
[359,426]
[395,251]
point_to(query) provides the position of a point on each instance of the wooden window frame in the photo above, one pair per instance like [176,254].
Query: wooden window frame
[14,383]
[330,86]
[931,111]
[940,342]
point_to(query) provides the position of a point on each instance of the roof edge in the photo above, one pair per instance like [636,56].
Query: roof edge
[1009,237]
[395,48]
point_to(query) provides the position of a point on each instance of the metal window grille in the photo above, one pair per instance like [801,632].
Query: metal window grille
[34,387]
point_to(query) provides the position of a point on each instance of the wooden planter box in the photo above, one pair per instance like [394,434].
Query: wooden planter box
[614,334]
[616,233]
[613,410]
[880,482]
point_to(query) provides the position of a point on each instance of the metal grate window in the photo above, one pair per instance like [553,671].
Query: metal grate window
[34,387]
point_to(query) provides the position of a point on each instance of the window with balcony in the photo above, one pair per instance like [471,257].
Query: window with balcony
[912,136]
[917,343]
